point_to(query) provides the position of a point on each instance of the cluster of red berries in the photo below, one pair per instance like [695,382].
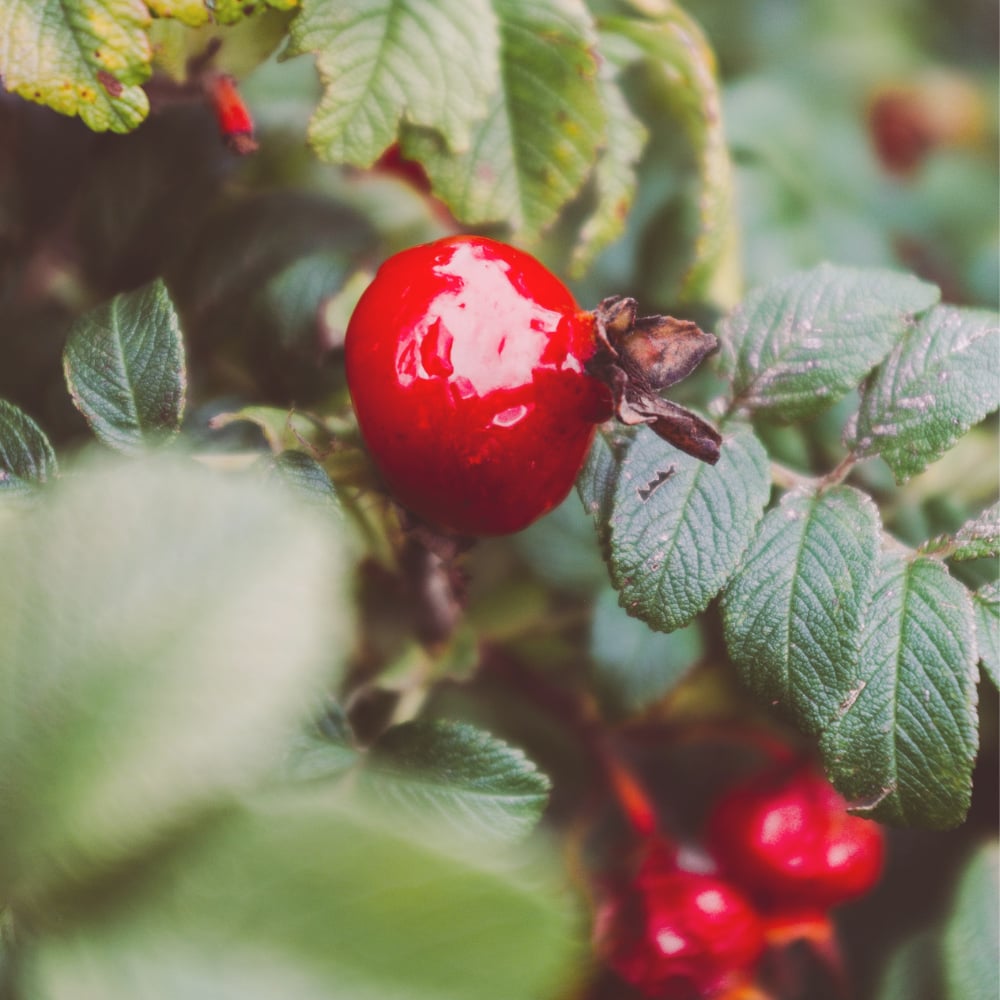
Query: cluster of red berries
[785,851]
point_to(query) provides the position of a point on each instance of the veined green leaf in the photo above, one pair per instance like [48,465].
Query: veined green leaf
[432,63]
[79,57]
[903,741]
[986,606]
[454,775]
[971,945]
[976,539]
[297,897]
[124,365]
[799,344]
[26,457]
[794,612]
[939,381]
[165,629]
[679,527]
[543,127]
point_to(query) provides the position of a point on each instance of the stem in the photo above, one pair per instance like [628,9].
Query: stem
[840,473]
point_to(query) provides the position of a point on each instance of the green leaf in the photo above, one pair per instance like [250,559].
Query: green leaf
[432,64]
[231,11]
[634,665]
[677,65]
[613,177]
[26,457]
[124,365]
[79,57]
[903,741]
[679,527]
[545,123]
[793,614]
[193,13]
[324,751]
[798,344]
[305,477]
[986,607]
[455,775]
[599,477]
[976,539]
[164,630]
[939,381]
[296,897]
[971,945]
[912,972]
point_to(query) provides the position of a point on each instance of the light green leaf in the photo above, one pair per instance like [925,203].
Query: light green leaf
[544,125]
[231,11]
[976,539]
[455,775]
[986,607]
[794,612]
[165,629]
[971,945]
[324,751]
[124,365]
[79,57]
[679,527]
[797,345]
[679,77]
[599,477]
[26,457]
[903,741]
[912,971]
[635,666]
[193,13]
[296,897]
[613,177]
[939,381]
[432,63]
[304,476]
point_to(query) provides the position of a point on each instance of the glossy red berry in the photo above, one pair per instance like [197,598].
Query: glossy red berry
[465,360]
[787,837]
[679,935]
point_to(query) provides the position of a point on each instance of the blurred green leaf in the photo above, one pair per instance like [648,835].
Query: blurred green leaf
[679,527]
[432,64]
[634,665]
[26,457]
[79,57]
[304,476]
[976,539]
[598,478]
[124,365]
[164,630]
[794,612]
[802,342]
[189,12]
[677,66]
[231,11]
[455,775]
[986,607]
[324,751]
[543,127]
[971,944]
[298,898]
[903,741]
[912,972]
[939,381]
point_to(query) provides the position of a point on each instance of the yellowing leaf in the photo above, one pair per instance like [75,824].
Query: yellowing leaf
[79,57]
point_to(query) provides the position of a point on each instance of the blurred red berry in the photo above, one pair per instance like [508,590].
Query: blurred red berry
[787,837]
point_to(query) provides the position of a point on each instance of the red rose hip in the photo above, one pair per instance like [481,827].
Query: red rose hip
[466,364]
[787,837]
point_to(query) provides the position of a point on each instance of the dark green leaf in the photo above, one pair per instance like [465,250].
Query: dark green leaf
[26,457]
[904,739]
[794,612]
[939,381]
[797,345]
[124,365]
[597,480]
[679,527]
[544,125]
[634,665]
[456,775]
[80,57]
[165,630]
[986,607]
[976,539]
[432,64]
[971,945]
[297,898]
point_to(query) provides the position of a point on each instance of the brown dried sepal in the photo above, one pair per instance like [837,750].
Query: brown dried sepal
[638,357]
